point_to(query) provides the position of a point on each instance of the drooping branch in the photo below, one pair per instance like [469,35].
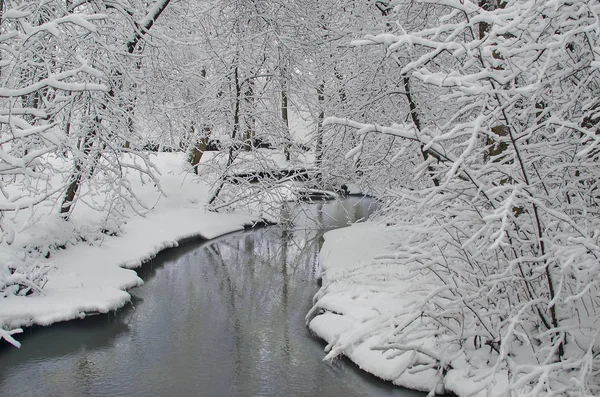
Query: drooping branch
[143,26]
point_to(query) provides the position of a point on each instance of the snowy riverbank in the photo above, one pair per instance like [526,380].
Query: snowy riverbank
[366,301]
[90,277]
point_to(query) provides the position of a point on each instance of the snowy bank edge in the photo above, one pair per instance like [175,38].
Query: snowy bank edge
[345,252]
[65,304]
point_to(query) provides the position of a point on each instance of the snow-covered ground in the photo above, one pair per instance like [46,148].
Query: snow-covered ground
[366,300]
[93,276]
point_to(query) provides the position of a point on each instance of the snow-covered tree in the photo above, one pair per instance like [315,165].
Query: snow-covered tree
[106,127]
[68,77]
[42,74]
[507,221]
[295,60]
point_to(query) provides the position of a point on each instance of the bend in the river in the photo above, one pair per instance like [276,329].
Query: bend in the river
[218,318]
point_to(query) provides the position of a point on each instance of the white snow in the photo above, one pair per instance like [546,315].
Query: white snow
[364,301]
[90,278]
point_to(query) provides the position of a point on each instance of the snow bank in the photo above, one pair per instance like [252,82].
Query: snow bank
[366,300]
[94,277]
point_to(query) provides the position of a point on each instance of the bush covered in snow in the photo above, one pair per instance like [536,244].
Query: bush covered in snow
[509,223]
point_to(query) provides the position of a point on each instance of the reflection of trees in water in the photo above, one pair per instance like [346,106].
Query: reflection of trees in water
[267,282]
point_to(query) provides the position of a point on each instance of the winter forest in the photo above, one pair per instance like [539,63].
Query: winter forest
[474,124]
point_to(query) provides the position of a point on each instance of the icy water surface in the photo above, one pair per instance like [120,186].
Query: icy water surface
[222,318]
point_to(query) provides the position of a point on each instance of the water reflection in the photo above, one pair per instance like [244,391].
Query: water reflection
[218,319]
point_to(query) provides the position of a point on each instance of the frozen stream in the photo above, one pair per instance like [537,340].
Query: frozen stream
[222,318]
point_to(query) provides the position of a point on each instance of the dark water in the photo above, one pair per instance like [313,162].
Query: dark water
[224,318]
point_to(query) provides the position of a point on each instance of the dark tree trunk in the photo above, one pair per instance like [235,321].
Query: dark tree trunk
[249,119]
[415,118]
[87,143]
[320,131]
[286,124]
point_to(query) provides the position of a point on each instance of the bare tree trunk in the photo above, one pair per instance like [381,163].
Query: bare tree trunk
[320,131]
[249,118]
[284,76]
[415,118]
[384,7]
[236,112]
[86,146]
[141,29]
[286,124]
[236,126]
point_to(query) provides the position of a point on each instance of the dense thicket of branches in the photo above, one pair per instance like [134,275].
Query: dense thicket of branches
[509,222]
[67,98]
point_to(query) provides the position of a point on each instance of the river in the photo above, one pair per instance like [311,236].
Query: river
[217,318]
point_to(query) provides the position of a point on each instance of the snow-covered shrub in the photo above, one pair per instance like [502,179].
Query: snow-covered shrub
[64,127]
[41,77]
[509,225]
